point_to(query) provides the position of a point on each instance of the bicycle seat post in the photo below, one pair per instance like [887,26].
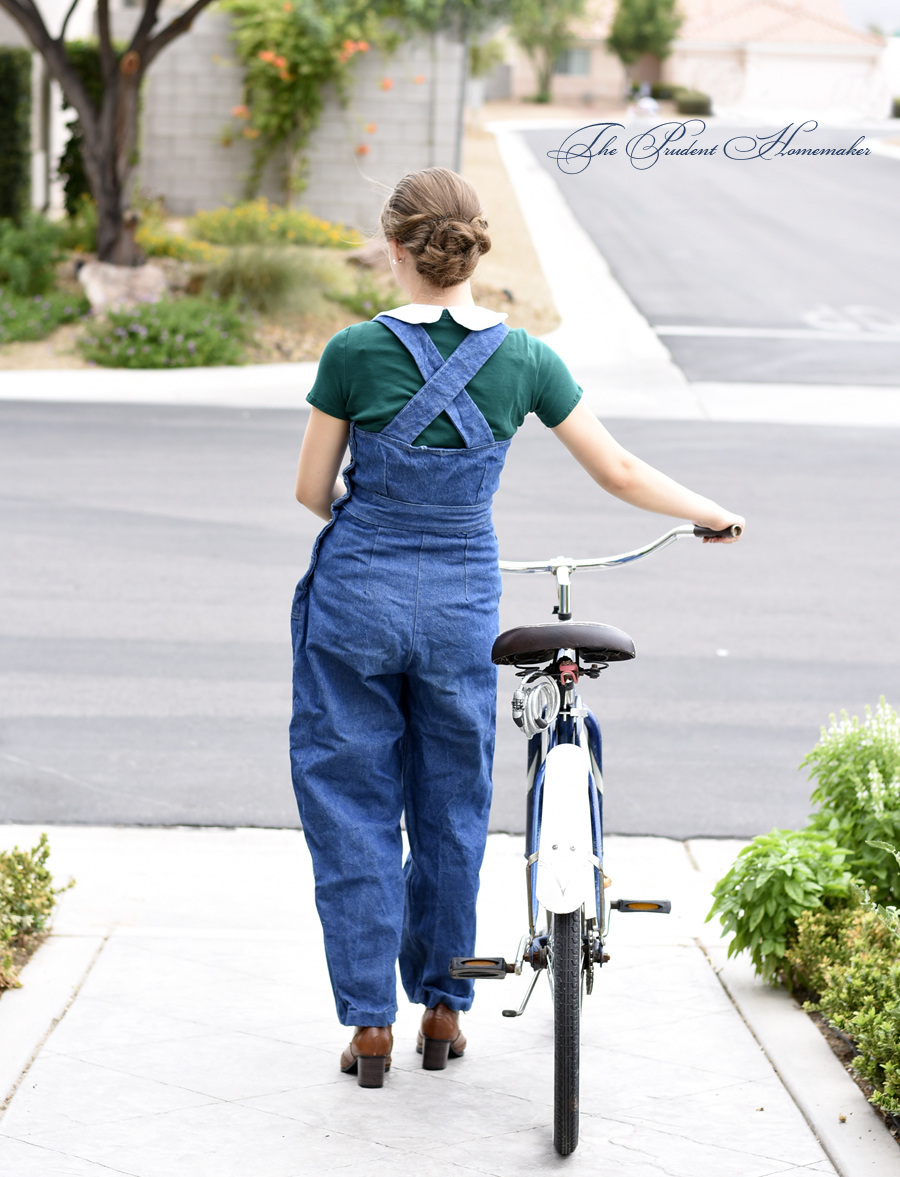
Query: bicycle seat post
[563,585]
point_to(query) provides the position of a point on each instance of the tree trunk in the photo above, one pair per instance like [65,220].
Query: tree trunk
[109,137]
[545,63]
[110,154]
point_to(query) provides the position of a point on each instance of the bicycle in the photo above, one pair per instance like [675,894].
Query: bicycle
[564,814]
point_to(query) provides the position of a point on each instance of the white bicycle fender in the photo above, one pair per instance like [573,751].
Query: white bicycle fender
[565,874]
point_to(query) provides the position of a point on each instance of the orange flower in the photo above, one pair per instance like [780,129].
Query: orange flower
[363,46]
[363,149]
[372,128]
[419,79]
[348,46]
[251,133]
[266,55]
[279,62]
[387,83]
[284,75]
[287,6]
[240,112]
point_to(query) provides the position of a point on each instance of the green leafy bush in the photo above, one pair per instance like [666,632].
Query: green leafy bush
[27,899]
[256,222]
[662,91]
[258,278]
[856,767]
[79,230]
[28,254]
[895,109]
[368,299]
[772,882]
[182,333]
[23,318]
[693,102]
[849,959]
[15,131]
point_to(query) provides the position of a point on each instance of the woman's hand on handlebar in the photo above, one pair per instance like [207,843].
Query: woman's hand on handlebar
[724,529]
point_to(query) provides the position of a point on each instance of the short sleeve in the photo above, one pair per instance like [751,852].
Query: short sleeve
[330,390]
[555,394]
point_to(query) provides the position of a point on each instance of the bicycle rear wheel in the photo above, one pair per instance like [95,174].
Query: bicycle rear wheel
[565,963]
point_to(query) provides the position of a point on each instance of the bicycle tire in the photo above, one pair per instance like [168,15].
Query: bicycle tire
[566,948]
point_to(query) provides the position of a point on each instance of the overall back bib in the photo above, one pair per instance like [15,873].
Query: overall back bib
[395,693]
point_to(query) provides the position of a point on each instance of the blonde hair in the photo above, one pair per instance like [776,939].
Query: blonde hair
[438,219]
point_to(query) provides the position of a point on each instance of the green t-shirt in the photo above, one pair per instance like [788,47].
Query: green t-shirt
[366,375]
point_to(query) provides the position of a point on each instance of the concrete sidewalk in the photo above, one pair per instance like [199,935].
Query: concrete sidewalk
[203,1039]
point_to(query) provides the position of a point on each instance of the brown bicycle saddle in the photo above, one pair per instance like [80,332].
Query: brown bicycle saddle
[532,644]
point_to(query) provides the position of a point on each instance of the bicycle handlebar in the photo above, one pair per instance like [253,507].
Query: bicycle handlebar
[732,532]
[562,566]
[558,563]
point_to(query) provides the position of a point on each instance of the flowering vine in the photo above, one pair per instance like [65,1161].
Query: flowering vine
[290,50]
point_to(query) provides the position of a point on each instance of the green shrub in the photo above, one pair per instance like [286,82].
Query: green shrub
[27,899]
[827,939]
[25,318]
[79,230]
[856,767]
[895,109]
[258,278]
[368,299]
[693,102]
[663,91]
[256,222]
[15,132]
[156,239]
[485,56]
[849,959]
[182,333]
[772,882]
[28,254]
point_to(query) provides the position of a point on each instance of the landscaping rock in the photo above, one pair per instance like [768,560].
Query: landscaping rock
[371,256]
[121,286]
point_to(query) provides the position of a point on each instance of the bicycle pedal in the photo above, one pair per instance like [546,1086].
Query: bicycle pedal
[660,906]
[475,967]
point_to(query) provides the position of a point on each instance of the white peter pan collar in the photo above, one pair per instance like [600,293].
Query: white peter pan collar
[472,318]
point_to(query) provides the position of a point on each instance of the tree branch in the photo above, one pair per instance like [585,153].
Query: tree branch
[26,14]
[107,56]
[181,24]
[144,29]
[65,24]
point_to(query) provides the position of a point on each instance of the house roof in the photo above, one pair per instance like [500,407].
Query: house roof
[819,22]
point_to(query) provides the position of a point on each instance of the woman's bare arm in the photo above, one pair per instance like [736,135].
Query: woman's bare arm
[630,479]
[324,443]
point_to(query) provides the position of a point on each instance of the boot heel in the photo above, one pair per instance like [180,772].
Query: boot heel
[371,1071]
[434,1054]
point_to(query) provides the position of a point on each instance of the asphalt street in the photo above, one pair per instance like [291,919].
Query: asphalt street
[150,555]
[760,270]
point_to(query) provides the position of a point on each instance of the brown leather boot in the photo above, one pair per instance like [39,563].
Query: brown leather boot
[440,1037]
[368,1055]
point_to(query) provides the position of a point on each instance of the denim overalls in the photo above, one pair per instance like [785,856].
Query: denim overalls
[395,693]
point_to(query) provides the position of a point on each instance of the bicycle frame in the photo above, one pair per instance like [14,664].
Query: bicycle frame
[564,815]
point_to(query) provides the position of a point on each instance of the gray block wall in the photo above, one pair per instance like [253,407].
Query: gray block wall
[196,81]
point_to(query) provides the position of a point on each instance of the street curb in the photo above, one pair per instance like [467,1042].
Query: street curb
[248,386]
[50,982]
[861,1146]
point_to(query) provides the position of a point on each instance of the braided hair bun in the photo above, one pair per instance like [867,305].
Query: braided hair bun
[438,219]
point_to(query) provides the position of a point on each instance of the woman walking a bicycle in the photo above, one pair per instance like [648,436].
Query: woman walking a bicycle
[392,624]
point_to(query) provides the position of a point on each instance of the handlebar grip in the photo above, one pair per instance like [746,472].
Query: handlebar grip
[727,532]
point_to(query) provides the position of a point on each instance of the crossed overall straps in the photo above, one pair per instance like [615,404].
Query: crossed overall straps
[444,389]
